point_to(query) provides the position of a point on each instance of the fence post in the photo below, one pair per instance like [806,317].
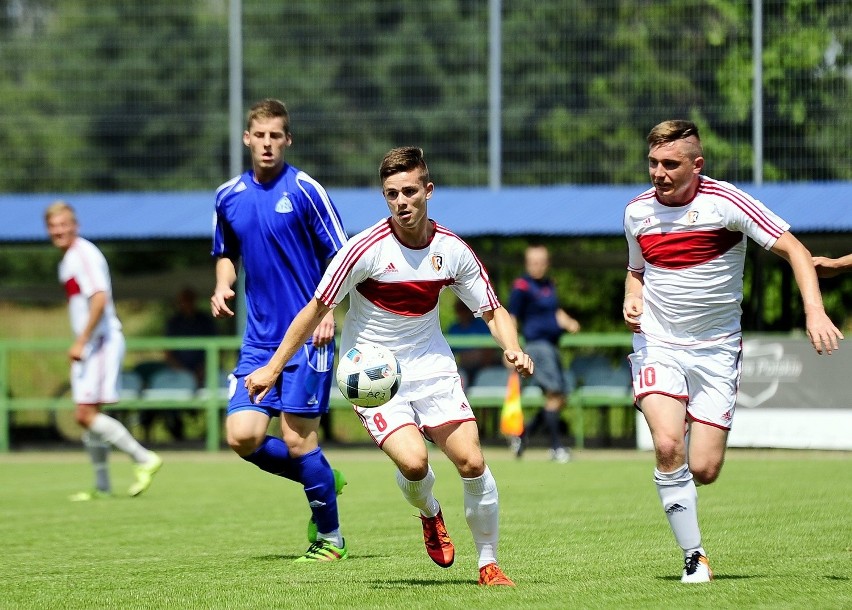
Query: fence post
[4,398]
[211,404]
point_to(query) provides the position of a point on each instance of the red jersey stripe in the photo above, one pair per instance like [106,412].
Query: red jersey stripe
[414,298]
[684,249]
[72,288]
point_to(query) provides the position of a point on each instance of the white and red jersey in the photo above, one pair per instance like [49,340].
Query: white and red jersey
[692,258]
[394,290]
[83,272]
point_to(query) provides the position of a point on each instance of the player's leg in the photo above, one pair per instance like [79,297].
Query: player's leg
[98,451]
[706,451]
[406,448]
[301,434]
[416,480]
[246,434]
[672,476]
[460,443]
[95,383]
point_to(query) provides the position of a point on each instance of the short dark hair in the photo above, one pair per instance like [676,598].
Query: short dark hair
[404,159]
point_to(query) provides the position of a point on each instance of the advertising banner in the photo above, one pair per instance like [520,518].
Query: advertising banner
[789,397]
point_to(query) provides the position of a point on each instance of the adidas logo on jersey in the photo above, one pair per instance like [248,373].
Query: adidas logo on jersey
[391,268]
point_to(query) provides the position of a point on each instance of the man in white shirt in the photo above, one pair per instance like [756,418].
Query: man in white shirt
[96,353]
[394,273]
[686,239]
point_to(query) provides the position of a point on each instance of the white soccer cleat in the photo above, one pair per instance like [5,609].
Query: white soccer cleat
[696,568]
[560,456]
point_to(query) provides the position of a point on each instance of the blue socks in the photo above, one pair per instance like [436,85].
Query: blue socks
[273,456]
[312,470]
[318,480]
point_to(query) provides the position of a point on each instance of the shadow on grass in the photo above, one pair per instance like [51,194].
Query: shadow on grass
[404,583]
[357,557]
[717,577]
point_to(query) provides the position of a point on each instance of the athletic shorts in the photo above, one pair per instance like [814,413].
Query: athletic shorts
[548,373]
[302,388]
[425,403]
[95,380]
[706,378]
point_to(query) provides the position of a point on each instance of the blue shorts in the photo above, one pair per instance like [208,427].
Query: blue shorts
[303,387]
[548,366]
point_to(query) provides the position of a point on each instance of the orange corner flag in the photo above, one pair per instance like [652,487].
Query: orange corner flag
[511,416]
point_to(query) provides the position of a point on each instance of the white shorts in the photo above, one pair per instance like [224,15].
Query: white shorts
[425,403]
[706,378]
[95,379]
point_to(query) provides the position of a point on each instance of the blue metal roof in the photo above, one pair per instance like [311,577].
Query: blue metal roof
[557,210]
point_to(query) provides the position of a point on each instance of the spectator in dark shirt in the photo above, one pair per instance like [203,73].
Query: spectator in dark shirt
[534,305]
[189,321]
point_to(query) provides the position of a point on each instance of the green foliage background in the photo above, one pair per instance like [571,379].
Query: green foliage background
[133,95]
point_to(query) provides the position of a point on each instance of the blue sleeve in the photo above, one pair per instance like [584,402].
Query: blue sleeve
[324,218]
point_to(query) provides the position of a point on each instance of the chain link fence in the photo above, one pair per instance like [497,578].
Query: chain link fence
[103,96]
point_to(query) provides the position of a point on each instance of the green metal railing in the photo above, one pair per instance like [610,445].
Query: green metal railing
[211,399]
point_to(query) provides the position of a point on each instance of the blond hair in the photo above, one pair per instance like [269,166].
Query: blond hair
[58,207]
[269,108]
[672,131]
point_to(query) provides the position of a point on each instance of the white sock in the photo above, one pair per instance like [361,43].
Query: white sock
[98,452]
[419,493]
[113,431]
[482,511]
[680,501]
[333,537]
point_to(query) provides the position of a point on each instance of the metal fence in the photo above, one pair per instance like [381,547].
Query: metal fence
[109,96]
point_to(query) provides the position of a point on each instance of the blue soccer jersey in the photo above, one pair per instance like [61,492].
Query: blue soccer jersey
[283,232]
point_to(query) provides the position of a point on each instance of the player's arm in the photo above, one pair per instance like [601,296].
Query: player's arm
[260,381]
[505,333]
[633,304]
[97,306]
[829,267]
[324,332]
[566,322]
[226,277]
[824,335]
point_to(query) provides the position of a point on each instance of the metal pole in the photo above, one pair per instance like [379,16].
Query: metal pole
[757,90]
[235,87]
[235,124]
[494,94]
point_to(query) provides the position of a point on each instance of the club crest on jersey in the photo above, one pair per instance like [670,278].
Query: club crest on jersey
[284,205]
[692,217]
[437,262]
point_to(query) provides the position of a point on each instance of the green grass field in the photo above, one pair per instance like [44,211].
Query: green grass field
[215,532]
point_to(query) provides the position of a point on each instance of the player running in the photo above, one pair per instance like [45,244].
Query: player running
[283,227]
[394,273]
[96,354]
[686,239]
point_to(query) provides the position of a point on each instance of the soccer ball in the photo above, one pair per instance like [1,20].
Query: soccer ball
[368,375]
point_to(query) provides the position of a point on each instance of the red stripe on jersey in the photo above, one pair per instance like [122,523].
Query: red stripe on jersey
[72,288]
[493,301]
[355,253]
[411,299]
[684,249]
[739,199]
